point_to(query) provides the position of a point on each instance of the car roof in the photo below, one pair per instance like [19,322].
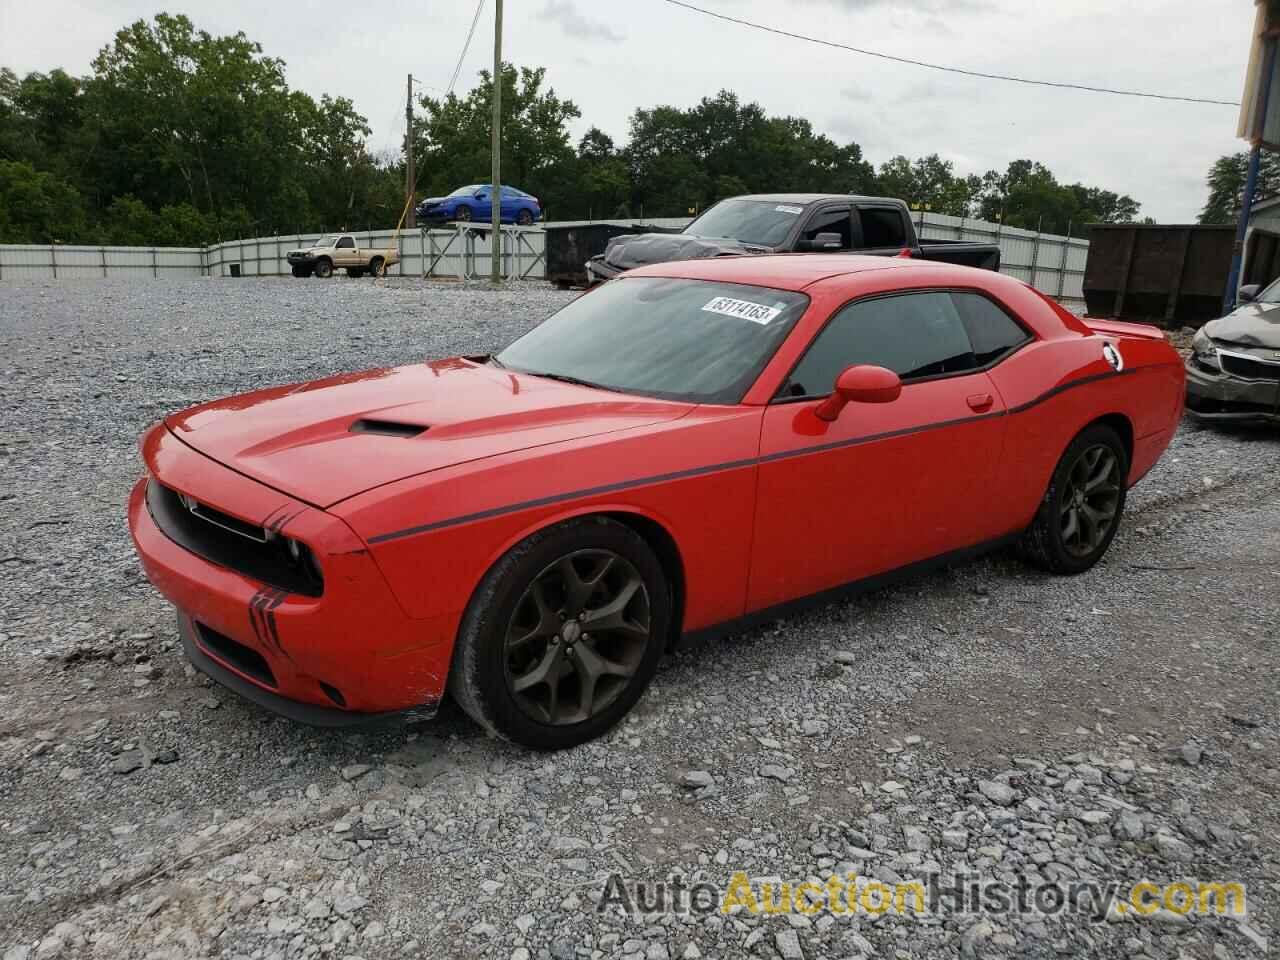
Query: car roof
[807,198]
[783,271]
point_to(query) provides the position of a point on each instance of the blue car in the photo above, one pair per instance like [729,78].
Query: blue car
[473,203]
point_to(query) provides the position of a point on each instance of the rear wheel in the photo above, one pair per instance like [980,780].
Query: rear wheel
[562,635]
[1081,510]
[324,268]
[524,217]
[375,267]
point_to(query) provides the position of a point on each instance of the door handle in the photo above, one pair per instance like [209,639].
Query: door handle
[979,401]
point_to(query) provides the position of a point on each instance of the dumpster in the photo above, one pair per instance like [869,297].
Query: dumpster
[568,248]
[1170,275]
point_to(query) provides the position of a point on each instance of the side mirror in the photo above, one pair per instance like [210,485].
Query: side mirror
[824,241]
[860,384]
[479,194]
[1249,292]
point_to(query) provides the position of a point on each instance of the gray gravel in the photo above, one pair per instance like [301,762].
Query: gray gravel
[984,720]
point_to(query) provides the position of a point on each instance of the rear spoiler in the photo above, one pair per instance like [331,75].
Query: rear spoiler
[1122,328]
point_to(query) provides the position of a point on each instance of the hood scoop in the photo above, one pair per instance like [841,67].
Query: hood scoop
[388,428]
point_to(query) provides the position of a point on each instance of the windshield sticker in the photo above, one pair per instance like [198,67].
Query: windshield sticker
[742,309]
[784,208]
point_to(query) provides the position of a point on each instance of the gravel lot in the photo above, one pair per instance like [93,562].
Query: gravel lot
[987,720]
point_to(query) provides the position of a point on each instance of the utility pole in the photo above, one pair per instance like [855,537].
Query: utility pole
[495,207]
[410,174]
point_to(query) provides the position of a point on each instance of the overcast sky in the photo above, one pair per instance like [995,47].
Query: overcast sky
[611,56]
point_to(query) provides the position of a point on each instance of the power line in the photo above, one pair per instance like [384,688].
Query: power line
[466,46]
[936,66]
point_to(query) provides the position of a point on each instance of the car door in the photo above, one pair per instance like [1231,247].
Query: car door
[884,485]
[510,203]
[344,253]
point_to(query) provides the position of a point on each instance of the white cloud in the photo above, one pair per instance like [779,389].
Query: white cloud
[577,25]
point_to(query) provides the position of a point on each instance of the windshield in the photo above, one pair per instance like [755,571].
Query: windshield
[692,340]
[327,241]
[465,191]
[1271,294]
[764,223]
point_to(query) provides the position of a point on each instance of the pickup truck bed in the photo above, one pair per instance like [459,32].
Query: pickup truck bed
[790,223]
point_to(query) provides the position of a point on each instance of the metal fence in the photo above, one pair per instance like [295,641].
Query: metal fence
[1053,264]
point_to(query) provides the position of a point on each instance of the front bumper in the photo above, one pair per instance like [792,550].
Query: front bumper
[347,656]
[1219,396]
[296,259]
[598,271]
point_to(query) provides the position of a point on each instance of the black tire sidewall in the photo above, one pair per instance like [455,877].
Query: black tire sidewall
[1062,559]
[484,630]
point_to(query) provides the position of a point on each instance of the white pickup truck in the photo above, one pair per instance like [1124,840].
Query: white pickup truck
[339,251]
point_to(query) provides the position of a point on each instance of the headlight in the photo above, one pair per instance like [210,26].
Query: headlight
[1205,353]
[303,559]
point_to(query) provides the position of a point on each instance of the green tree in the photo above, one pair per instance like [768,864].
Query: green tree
[38,207]
[1226,185]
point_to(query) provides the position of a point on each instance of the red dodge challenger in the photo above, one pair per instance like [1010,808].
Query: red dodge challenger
[690,447]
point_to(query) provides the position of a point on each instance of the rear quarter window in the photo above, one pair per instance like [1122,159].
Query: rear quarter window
[991,330]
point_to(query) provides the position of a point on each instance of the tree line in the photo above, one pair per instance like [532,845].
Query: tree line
[177,136]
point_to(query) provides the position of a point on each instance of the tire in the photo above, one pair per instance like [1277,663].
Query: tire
[324,268]
[515,631]
[463,213]
[524,217]
[355,273]
[1078,488]
[375,267]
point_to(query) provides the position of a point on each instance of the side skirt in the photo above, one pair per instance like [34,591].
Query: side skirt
[790,608]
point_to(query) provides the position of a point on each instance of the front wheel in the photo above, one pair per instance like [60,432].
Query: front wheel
[324,269]
[563,634]
[1081,510]
[463,213]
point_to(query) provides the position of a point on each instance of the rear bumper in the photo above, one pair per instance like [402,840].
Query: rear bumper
[343,657]
[1222,397]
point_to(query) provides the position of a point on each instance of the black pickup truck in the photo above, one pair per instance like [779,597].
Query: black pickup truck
[790,223]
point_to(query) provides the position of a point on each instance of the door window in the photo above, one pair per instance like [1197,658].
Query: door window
[992,332]
[882,227]
[346,243]
[916,335]
[829,221]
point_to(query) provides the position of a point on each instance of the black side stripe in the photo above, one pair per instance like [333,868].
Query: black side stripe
[734,464]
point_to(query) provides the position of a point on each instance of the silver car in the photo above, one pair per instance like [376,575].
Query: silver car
[1233,372]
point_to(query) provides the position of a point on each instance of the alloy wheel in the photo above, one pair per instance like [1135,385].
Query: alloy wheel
[577,636]
[1090,500]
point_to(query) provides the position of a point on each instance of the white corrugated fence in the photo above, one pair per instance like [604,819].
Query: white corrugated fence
[1053,264]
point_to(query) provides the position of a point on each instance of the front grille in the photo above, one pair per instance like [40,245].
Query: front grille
[1238,365]
[233,543]
[236,655]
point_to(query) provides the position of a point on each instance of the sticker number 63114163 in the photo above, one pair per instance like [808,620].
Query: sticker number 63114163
[742,309]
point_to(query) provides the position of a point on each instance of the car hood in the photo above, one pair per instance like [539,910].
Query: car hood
[331,439]
[1250,325]
[639,249]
